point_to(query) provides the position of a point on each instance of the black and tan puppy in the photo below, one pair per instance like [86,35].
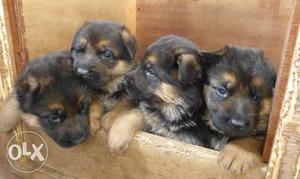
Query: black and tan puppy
[164,86]
[103,53]
[238,95]
[48,95]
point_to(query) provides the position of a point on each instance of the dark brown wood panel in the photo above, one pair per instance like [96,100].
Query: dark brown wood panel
[212,24]
[283,76]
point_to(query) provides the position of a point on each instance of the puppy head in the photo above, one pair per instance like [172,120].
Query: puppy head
[161,76]
[239,90]
[149,83]
[48,90]
[103,52]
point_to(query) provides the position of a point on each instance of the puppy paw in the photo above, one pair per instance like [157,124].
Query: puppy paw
[107,120]
[123,130]
[237,160]
[118,142]
[94,127]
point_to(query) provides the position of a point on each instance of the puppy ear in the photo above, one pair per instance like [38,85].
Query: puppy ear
[9,113]
[189,69]
[270,70]
[28,89]
[129,41]
[210,58]
[77,34]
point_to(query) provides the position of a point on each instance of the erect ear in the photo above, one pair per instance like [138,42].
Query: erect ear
[129,41]
[28,88]
[210,58]
[9,113]
[189,68]
[271,71]
[77,34]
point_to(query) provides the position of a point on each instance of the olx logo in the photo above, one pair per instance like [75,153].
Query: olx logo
[35,150]
[22,150]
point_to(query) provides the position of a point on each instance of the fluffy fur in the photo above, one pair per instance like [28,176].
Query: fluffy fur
[50,96]
[103,53]
[238,95]
[164,87]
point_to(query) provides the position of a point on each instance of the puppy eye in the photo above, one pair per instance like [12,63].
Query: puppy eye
[84,108]
[58,116]
[54,118]
[222,92]
[256,97]
[81,50]
[106,55]
[149,72]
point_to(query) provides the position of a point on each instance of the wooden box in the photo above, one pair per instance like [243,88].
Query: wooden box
[30,28]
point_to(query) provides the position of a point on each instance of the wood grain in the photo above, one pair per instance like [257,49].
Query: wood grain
[6,62]
[212,24]
[151,157]
[282,82]
[285,160]
[16,21]
[51,25]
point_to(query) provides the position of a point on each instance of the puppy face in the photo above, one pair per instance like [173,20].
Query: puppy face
[103,52]
[49,90]
[161,77]
[148,82]
[239,91]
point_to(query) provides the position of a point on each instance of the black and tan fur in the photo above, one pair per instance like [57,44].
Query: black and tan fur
[104,52]
[238,95]
[164,86]
[48,95]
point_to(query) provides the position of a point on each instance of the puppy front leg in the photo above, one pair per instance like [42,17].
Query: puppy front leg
[241,155]
[122,132]
[110,117]
[9,113]
[95,114]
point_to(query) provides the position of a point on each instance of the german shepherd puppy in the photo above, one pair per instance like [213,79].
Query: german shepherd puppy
[164,87]
[103,53]
[48,95]
[238,95]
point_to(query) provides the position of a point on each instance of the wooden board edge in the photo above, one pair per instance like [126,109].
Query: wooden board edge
[282,82]
[280,155]
[17,27]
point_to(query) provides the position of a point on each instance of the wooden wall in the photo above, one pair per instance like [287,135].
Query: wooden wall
[212,24]
[50,25]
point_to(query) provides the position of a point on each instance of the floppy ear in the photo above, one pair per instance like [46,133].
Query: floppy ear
[28,89]
[210,58]
[129,41]
[189,68]
[271,71]
[9,113]
[77,34]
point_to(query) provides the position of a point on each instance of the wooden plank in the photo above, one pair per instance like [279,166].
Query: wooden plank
[283,75]
[7,70]
[212,24]
[285,156]
[17,28]
[151,157]
[51,25]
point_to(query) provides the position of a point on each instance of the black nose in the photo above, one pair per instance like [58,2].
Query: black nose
[82,72]
[238,124]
